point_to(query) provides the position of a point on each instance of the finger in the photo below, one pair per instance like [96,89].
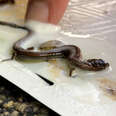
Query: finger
[47,10]
[38,10]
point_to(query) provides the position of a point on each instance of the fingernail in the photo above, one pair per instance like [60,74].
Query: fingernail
[38,10]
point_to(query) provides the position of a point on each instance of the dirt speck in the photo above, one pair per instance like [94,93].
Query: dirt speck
[55,71]
[108,87]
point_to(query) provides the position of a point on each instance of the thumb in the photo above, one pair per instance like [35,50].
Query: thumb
[56,10]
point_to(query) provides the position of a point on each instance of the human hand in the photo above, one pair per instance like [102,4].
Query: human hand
[46,10]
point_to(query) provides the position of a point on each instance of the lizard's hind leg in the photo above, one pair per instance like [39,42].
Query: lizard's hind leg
[12,57]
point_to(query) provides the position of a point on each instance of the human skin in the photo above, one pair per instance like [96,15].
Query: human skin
[47,10]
